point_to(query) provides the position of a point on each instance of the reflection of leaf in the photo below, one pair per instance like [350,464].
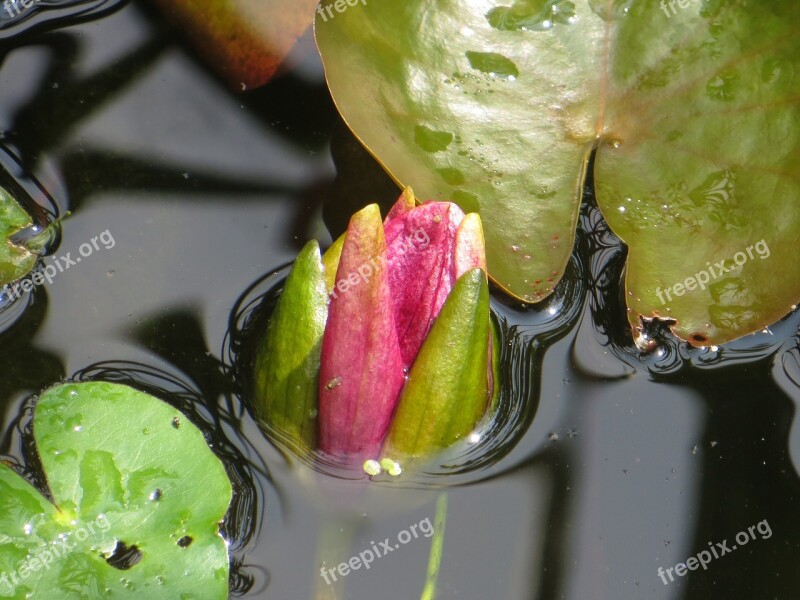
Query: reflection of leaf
[731,292]
[101,482]
[140,483]
[693,116]
[101,446]
[244,40]
[79,578]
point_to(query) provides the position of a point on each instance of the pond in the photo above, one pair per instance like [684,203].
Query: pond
[615,467]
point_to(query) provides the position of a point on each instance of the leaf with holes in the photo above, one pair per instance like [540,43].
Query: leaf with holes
[137,502]
[692,108]
[15,261]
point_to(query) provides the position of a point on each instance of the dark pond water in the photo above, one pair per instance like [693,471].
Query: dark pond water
[615,463]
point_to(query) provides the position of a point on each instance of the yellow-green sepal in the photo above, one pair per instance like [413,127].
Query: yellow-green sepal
[448,389]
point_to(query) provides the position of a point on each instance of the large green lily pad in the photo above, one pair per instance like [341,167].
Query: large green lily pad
[692,107]
[15,261]
[137,501]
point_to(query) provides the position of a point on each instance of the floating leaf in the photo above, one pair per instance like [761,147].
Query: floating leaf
[693,111]
[15,261]
[245,41]
[138,500]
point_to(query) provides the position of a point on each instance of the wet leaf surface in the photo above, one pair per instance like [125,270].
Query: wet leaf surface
[137,502]
[15,261]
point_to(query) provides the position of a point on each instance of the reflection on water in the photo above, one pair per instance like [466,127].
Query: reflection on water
[614,462]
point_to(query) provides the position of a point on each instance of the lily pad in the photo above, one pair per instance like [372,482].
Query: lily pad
[692,108]
[137,501]
[15,261]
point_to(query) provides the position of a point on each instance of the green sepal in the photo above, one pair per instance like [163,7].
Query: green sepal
[330,261]
[288,359]
[448,389]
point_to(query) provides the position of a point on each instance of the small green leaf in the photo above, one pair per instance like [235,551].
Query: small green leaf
[126,472]
[15,261]
[288,360]
[447,391]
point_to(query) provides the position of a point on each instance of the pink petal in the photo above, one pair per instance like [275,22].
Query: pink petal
[361,373]
[421,264]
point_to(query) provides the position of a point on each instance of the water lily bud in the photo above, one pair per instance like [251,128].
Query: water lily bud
[407,321]
[288,360]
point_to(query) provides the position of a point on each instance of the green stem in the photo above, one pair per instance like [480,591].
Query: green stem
[437,546]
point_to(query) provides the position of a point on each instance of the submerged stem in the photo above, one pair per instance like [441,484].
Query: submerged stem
[437,546]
